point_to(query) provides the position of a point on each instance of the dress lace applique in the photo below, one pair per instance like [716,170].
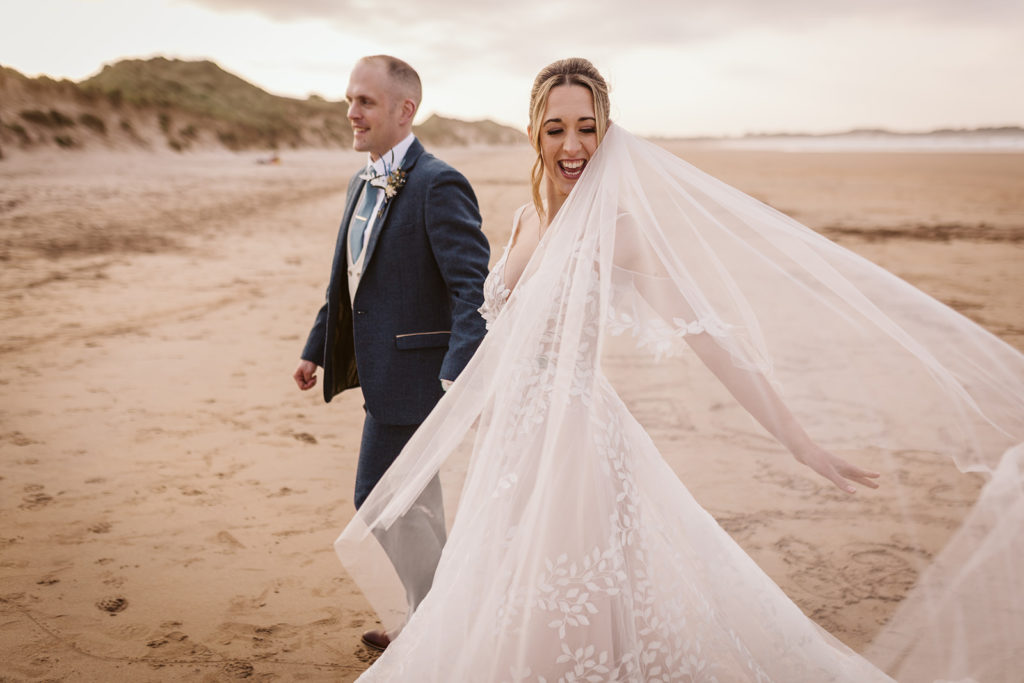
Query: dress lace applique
[496,292]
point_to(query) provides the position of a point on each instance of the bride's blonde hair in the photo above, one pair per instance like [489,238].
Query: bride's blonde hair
[571,71]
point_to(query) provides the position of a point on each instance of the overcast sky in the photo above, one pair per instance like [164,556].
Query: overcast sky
[676,67]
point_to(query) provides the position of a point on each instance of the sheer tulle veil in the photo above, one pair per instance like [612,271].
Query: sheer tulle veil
[648,259]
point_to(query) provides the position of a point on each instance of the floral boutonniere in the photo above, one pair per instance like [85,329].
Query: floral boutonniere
[391,181]
[391,184]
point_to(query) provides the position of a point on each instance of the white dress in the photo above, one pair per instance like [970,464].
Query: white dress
[575,552]
[604,569]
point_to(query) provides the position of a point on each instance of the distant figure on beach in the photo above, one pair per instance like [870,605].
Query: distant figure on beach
[400,318]
[273,160]
[576,553]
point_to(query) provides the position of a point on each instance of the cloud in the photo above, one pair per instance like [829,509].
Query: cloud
[522,36]
[649,22]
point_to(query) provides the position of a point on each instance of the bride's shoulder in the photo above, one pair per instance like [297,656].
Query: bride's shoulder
[522,212]
[524,215]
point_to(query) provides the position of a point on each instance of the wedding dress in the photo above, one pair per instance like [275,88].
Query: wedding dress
[576,553]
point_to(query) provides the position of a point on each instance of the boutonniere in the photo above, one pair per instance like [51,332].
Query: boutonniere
[391,184]
[389,181]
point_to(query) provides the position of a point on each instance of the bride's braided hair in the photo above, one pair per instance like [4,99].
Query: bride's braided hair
[571,71]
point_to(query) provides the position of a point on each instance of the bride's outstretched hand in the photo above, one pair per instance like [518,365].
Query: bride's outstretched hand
[836,469]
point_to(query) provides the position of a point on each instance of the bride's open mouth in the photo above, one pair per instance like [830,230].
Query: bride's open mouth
[572,168]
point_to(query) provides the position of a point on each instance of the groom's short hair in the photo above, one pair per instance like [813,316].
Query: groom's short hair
[402,75]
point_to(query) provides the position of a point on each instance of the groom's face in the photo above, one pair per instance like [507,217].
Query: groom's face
[374,109]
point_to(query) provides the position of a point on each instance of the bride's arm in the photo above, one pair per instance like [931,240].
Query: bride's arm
[635,256]
[760,399]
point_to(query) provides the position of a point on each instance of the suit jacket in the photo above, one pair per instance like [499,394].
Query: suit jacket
[415,318]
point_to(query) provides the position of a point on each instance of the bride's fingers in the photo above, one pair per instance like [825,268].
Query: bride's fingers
[870,483]
[844,474]
[864,477]
[834,475]
[843,485]
[864,473]
[842,478]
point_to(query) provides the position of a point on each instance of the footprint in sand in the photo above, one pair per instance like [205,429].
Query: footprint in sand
[265,637]
[945,494]
[284,491]
[112,605]
[100,528]
[365,654]
[36,498]
[225,538]
[880,571]
[166,646]
[304,437]
[238,669]
[173,636]
[18,439]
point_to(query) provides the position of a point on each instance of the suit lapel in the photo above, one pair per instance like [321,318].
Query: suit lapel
[411,157]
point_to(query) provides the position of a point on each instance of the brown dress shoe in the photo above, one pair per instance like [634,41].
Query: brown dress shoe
[377,640]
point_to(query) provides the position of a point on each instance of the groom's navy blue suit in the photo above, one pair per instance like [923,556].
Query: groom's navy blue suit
[414,320]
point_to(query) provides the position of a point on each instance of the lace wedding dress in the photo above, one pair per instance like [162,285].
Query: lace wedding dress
[575,553]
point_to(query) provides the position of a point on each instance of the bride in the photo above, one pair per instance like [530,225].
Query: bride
[575,553]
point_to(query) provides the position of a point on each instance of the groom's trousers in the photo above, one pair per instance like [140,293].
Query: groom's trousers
[414,541]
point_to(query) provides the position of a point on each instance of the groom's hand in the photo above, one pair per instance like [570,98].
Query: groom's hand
[305,375]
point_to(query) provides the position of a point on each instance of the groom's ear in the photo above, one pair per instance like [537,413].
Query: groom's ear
[408,111]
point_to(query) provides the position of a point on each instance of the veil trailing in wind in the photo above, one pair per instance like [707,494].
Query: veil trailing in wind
[660,311]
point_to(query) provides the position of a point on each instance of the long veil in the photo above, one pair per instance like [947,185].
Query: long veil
[693,302]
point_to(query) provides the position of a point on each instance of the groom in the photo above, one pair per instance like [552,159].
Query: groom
[401,316]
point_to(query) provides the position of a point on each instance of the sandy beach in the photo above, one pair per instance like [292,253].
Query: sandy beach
[168,497]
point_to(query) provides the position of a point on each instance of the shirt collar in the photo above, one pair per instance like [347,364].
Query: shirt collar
[391,159]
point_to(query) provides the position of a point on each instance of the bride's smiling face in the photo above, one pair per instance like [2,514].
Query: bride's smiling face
[568,136]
